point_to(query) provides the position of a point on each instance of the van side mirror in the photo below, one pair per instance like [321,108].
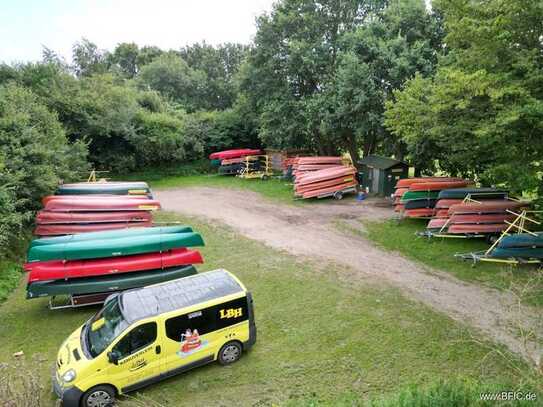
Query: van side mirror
[113,357]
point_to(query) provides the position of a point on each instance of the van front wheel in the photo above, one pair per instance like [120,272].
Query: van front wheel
[99,396]
[229,353]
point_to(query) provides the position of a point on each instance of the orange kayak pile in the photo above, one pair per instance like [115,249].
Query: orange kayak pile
[325,182]
[304,165]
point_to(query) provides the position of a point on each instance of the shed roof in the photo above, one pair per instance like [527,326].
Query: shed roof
[382,163]
[173,295]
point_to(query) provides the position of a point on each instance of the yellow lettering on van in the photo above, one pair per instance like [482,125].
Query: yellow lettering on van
[96,325]
[231,313]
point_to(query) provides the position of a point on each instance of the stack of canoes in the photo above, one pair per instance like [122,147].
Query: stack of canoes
[520,246]
[304,165]
[105,188]
[230,162]
[69,214]
[487,215]
[104,262]
[417,197]
[325,182]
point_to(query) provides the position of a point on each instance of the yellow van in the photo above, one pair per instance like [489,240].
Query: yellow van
[148,334]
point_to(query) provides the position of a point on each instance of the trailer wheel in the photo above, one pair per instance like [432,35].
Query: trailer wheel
[338,195]
[229,353]
[99,396]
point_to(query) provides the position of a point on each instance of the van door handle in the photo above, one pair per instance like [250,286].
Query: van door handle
[157,350]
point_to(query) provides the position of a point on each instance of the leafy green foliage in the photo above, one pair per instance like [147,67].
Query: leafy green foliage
[34,155]
[481,114]
[320,72]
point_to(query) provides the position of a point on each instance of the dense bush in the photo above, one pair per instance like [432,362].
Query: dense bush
[34,155]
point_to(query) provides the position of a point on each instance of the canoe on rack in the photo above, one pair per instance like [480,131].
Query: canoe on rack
[518,253]
[490,206]
[474,193]
[110,188]
[419,213]
[438,185]
[52,218]
[114,234]
[521,240]
[407,182]
[111,283]
[227,154]
[420,203]
[482,228]
[409,195]
[104,204]
[58,269]
[73,228]
[95,249]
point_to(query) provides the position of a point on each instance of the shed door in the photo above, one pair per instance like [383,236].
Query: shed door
[375,180]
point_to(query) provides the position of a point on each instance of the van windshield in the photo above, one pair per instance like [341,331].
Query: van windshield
[104,327]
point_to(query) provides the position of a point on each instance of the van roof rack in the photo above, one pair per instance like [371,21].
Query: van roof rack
[164,297]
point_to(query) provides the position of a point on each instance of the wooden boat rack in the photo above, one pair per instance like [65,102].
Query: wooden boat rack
[256,166]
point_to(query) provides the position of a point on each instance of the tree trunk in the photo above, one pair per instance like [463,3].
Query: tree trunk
[352,147]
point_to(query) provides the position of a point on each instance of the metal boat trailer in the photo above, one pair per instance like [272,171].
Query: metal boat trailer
[78,300]
[483,256]
[338,194]
[429,234]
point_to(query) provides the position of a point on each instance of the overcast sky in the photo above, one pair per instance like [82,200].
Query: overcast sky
[27,24]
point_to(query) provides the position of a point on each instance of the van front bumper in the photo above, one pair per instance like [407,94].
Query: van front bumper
[70,396]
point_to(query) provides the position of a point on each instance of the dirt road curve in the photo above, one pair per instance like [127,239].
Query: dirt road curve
[308,231]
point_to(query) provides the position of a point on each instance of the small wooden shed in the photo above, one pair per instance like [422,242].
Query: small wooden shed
[379,174]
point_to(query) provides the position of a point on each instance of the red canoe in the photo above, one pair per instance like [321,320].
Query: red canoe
[323,184]
[50,198]
[100,205]
[438,185]
[324,175]
[74,228]
[492,206]
[436,223]
[442,213]
[482,228]
[400,191]
[319,160]
[447,203]
[56,270]
[407,182]
[419,213]
[329,190]
[458,219]
[227,154]
[52,218]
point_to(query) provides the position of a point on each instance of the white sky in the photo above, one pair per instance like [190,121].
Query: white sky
[27,24]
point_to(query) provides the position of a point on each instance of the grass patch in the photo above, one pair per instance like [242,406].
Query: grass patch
[193,175]
[320,339]
[438,253]
[11,266]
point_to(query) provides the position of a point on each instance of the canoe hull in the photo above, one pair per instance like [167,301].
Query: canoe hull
[90,285]
[96,249]
[58,269]
[102,205]
[114,234]
[70,229]
[52,218]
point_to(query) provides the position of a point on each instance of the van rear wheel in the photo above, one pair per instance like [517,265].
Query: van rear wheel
[99,396]
[230,353]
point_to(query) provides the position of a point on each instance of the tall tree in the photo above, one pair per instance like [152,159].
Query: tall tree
[482,114]
[320,72]
[88,59]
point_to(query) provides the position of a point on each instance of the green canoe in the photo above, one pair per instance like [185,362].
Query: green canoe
[409,195]
[109,188]
[112,234]
[109,283]
[95,249]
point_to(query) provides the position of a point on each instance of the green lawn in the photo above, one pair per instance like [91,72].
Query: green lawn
[321,340]
[439,253]
[198,175]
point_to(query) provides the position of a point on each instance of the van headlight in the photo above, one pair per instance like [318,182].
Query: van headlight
[69,376]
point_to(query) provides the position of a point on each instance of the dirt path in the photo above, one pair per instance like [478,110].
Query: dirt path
[308,231]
